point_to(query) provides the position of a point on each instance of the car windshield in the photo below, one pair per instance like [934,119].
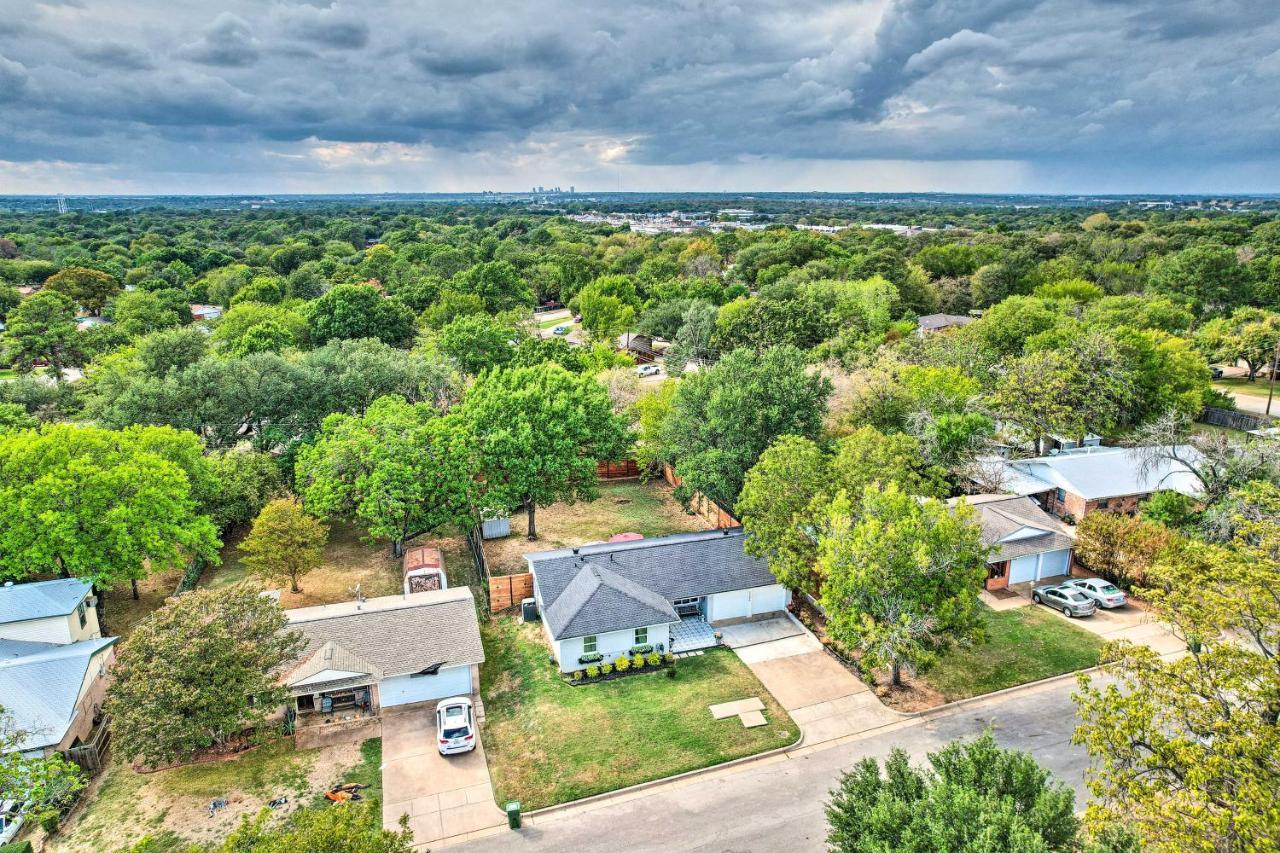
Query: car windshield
[1108,589]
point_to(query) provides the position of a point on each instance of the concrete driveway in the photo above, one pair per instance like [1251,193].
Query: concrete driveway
[445,798]
[824,698]
[1132,623]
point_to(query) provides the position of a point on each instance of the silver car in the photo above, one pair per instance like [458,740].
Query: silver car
[1104,592]
[1071,601]
[455,725]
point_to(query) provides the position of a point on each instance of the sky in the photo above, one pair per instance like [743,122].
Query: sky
[285,96]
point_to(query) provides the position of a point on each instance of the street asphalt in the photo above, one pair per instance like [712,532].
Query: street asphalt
[777,805]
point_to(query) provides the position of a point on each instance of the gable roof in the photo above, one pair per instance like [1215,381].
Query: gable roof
[933,322]
[388,636]
[1016,526]
[666,567]
[41,682]
[41,600]
[1095,473]
[598,600]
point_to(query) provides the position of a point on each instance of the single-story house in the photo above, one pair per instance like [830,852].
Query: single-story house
[643,348]
[1076,482]
[930,323]
[54,663]
[379,652]
[1027,544]
[666,592]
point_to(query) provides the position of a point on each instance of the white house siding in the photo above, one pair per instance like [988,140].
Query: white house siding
[1035,567]
[57,629]
[404,689]
[745,603]
[611,645]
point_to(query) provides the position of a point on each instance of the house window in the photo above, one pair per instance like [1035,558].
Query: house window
[84,618]
[684,602]
[1060,495]
[642,636]
[1102,504]
[589,645]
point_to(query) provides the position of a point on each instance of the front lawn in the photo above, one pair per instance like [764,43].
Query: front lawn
[629,506]
[172,806]
[549,742]
[1239,385]
[1023,645]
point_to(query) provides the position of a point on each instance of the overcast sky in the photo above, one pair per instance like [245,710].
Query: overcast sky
[262,96]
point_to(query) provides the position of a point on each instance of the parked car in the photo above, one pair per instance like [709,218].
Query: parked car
[1071,601]
[562,329]
[1215,372]
[1104,592]
[648,370]
[455,725]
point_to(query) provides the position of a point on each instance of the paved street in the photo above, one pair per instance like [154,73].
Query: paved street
[777,804]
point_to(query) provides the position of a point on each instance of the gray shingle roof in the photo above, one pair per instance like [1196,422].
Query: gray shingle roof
[669,567]
[931,322]
[1002,516]
[598,600]
[40,683]
[41,600]
[396,634]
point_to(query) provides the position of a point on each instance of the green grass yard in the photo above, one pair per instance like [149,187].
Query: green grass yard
[1257,388]
[549,742]
[1023,645]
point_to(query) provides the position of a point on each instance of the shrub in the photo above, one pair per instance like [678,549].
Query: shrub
[16,847]
[606,668]
[642,650]
[594,657]
[622,664]
[671,672]
[577,675]
[653,659]
[637,661]
[593,671]
[669,658]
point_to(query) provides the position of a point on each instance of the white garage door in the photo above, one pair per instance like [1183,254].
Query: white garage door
[1055,563]
[768,599]
[403,689]
[730,605]
[1023,569]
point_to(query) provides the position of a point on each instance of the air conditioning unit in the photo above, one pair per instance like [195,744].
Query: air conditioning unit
[529,610]
[93,601]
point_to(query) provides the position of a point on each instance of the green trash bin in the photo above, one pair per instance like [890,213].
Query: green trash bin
[513,814]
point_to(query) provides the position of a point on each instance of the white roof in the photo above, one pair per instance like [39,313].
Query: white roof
[42,600]
[41,683]
[1095,473]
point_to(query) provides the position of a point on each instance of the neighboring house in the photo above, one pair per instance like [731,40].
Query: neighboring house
[1027,544]
[1062,442]
[54,663]
[664,592]
[643,348]
[84,324]
[1077,482]
[380,652]
[204,312]
[930,323]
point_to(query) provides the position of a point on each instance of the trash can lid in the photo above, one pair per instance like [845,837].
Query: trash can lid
[513,806]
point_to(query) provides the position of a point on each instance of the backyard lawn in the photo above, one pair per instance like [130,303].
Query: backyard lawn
[629,506]
[1233,385]
[550,742]
[172,806]
[1023,645]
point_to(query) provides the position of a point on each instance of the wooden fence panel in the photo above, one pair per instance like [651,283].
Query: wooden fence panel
[617,470]
[1234,419]
[509,590]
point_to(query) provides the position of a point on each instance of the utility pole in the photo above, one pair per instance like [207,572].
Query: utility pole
[1271,381]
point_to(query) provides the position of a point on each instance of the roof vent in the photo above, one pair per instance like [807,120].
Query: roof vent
[8,583]
[575,551]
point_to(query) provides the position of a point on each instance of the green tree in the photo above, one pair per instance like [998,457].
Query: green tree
[43,785]
[254,327]
[342,828]
[867,456]
[723,418]
[43,328]
[401,469]
[1249,335]
[198,672]
[777,509]
[14,417]
[138,312]
[1207,275]
[604,317]
[350,311]
[90,289]
[285,542]
[478,342]
[171,350]
[97,504]
[246,480]
[975,798]
[542,430]
[1187,749]
[1122,548]
[498,283]
[900,578]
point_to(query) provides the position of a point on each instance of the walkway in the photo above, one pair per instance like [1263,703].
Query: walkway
[444,797]
[824,698]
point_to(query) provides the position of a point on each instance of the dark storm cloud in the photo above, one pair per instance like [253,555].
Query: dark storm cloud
[244,85]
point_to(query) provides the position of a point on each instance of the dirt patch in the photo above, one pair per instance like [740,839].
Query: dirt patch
[625,507]
[121,613]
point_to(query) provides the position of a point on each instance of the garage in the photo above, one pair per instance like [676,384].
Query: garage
[1036,567]
[1023,569]
[406,689]
[746,603]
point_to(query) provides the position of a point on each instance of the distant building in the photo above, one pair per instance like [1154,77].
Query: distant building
[930,323]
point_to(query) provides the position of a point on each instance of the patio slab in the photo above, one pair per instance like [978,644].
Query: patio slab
[738,706]
[751,719]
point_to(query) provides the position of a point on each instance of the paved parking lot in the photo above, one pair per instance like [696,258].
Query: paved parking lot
[823,697]
[444,797]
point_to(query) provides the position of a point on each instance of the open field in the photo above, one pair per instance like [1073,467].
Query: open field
[550,742]
[629,506]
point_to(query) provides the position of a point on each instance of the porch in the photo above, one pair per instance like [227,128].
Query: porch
[691,634]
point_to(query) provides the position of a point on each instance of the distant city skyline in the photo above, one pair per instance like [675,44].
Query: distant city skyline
[999,96]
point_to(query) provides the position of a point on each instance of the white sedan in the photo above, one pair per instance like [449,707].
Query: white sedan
[455,725]
[648,370]
[1104,592]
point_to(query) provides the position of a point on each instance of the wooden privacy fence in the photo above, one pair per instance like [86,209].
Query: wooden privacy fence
[617,470]
[508,590]
[714,512]
[1233,419]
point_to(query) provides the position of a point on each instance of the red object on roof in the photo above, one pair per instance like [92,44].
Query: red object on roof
[422,557]
[625,537]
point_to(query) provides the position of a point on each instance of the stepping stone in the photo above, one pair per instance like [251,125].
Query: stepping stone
[735,708]
[751,719]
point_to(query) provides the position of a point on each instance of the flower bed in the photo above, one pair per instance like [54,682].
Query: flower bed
[621,667]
